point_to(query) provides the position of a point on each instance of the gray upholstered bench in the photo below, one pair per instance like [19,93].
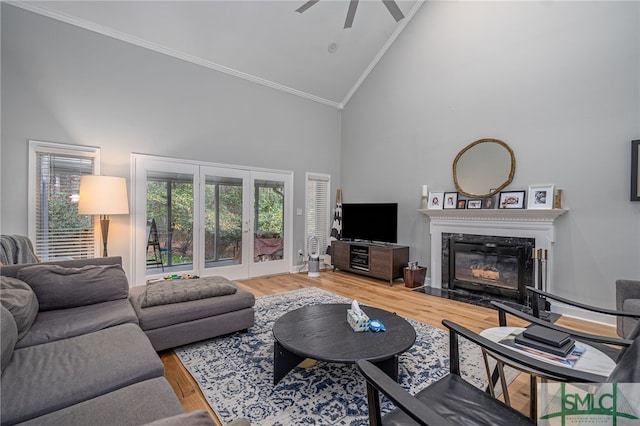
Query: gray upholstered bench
[187,313]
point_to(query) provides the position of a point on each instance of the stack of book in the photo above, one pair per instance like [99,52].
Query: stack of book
[546,340]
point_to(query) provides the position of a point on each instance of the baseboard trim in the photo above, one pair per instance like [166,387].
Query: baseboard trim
[582,314]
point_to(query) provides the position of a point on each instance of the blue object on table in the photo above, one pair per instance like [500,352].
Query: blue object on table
[376,325]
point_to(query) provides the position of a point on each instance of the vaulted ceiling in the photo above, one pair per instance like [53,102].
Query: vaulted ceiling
[308,54]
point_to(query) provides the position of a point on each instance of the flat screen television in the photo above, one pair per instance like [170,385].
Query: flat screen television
[370,222]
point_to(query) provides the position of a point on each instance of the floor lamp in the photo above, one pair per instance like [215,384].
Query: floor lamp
[103,195]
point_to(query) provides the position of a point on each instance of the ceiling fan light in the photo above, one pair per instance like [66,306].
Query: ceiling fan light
[393,9]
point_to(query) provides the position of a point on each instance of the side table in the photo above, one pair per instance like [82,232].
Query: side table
[592,361]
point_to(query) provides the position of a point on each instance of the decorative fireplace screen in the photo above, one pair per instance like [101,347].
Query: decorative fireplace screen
[488,264]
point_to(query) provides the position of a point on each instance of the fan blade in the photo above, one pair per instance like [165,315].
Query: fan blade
[306,6]
[393,9]
[351,13]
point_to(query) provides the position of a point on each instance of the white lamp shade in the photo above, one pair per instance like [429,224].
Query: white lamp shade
[103,195]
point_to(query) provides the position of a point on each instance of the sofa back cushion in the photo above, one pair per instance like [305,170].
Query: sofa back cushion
[8,336]
[21,301]
[12,270]
[58,287]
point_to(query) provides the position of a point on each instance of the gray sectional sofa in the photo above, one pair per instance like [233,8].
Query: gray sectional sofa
[628,300]
[73,352]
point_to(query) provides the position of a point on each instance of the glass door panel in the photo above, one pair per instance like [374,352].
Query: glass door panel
[271,201]
[222,221]
[268,243]
[169,206]
[225,221]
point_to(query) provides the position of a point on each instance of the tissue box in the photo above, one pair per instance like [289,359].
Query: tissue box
[357,323]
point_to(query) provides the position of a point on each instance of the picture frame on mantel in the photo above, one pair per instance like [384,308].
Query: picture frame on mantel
[512,200]
[450,200]
[489,202]
[474,204]
[540,197]
[435,200]
[635,174]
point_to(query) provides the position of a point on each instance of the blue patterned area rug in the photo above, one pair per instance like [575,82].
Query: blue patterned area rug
[235,372]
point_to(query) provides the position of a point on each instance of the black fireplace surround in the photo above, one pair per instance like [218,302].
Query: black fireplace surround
[488,265]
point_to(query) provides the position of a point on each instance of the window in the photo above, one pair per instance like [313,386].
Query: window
[318,214]
[55,227]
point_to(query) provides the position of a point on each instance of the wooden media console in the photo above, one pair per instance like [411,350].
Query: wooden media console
[383,261]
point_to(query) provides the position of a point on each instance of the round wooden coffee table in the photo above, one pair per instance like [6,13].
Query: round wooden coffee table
[321,332]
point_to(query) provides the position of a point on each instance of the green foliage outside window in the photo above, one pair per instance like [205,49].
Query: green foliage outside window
[62,211]
[177,236]
[270,211]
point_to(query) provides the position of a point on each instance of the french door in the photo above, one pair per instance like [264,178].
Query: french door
[201,219]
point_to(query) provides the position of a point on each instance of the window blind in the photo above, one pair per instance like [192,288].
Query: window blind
[59,230]
[317,210]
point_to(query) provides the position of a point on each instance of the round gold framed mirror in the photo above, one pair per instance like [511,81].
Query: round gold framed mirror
[483,168]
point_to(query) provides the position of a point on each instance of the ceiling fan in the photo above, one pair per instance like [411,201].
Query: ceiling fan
[391,5]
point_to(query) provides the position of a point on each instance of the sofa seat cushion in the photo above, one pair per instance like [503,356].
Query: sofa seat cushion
[159,316]
[21,301]
[136,404]
[49,377]
[64,323]
[58,287]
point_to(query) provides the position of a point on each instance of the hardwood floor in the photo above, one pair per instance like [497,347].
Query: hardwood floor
[397,298]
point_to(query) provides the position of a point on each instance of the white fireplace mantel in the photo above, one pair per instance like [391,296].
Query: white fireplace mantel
[518,215]
[521,223]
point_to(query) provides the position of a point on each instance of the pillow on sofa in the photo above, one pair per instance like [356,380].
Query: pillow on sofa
[58,288]
[17,297]
[8,336]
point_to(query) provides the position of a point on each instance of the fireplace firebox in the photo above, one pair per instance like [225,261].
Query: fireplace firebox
[488,264]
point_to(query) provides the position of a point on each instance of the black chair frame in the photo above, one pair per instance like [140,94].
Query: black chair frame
[378,382]
[539,294]
[603,343]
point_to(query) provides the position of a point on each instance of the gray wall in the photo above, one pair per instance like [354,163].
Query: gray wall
[64,84]
[557,81]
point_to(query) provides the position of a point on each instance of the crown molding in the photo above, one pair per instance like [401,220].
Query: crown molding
[100,29]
